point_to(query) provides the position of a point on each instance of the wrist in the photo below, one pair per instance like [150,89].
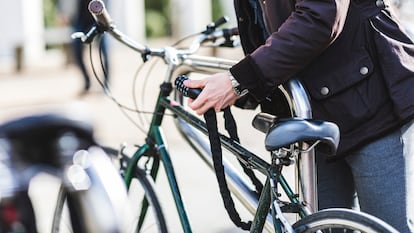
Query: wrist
[238,90]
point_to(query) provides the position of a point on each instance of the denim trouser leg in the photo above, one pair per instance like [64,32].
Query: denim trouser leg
[335,184]
[382,173]
[408,140]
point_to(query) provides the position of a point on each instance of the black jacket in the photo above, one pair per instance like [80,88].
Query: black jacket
[355,61]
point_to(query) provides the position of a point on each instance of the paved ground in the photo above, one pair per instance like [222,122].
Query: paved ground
[50,85]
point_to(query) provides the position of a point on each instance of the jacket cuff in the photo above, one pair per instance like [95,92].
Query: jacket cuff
[248,74]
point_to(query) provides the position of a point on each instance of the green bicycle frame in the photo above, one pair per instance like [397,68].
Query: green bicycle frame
[155,144]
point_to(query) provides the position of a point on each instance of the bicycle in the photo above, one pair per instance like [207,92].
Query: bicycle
[269,210]
[60,145]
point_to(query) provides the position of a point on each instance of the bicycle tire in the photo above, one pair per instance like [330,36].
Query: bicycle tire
[157,216]
[58,221]
[142,186]
[58,211]
[342,220]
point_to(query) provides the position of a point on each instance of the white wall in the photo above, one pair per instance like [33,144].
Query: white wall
[33,30]
[21,24]
[129,16]
[189,16]
[10,10]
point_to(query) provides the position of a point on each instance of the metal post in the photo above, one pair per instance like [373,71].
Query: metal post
[306,167]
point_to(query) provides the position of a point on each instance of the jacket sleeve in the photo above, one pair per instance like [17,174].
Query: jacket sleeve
[311,28]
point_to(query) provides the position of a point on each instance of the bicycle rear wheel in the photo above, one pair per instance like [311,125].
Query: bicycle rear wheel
[342,220]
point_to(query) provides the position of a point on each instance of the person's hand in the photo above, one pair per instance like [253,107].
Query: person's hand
[217,93]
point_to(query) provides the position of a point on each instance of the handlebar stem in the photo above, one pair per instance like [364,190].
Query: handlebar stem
[171,56]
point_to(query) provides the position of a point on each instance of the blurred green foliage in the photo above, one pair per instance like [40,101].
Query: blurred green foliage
[157,18]
[49,17]
[217,10]
[158,15]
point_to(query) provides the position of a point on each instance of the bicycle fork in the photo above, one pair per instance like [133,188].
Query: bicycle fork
[155,147]
[269,200]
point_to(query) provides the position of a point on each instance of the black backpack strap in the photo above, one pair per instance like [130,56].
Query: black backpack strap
[231,127]
[215,145]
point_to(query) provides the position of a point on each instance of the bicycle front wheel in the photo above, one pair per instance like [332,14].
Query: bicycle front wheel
[148,214]
[342,220]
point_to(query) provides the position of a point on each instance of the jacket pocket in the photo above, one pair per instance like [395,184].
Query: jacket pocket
[345,83]
[341,77]
[349,95]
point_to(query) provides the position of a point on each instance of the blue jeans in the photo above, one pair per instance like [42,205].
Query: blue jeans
[380,174]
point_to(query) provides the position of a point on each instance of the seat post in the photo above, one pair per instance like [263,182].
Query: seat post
[305,171]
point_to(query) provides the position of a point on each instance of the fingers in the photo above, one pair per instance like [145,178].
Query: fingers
[217,93]
[201,105]
[197,104]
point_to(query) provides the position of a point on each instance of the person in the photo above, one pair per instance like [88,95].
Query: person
[76,14]
[357,65]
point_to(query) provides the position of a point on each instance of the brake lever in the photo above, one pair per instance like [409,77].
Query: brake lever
[211,27]
[88,37]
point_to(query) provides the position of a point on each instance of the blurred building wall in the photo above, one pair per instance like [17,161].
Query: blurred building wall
[21,23]
[10,22]
[129,16]
[24,36]
[189,16]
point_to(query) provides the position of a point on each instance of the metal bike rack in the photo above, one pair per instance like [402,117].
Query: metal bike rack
[305,168]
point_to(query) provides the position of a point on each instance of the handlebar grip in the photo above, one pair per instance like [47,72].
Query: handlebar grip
[99,13]
[222,20]
[229,32]
[213,26]
[188,92]
[234,31]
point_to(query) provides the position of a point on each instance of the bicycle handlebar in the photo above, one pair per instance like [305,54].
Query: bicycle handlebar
[104,23]
[99,13]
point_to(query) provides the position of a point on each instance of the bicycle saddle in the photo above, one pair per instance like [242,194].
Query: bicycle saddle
[46,137]
[283,132]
